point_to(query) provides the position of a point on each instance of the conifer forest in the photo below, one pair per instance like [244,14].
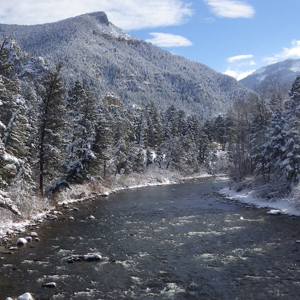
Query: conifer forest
[58,131]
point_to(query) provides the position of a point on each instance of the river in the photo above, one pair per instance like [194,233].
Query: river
[166,242]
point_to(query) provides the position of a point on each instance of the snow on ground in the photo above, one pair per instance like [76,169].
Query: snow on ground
[95,189]
[279,206]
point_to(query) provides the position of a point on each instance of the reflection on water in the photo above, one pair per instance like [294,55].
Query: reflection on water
[169,242]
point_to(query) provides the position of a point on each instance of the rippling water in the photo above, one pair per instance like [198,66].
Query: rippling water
[168,242]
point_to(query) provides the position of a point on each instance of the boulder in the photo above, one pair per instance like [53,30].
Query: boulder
[92,257]
[28,239]
[26,296]
[21,242]
[86,257]
[50,285]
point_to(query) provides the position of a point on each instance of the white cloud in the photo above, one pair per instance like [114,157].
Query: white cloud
[237,74]
[126,14]
[168,40]
[239,66]
[292,52]
[231,8]
[239,57]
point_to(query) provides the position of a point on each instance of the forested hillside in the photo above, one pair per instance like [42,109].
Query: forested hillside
[281,73]
[53,137]
[108,60]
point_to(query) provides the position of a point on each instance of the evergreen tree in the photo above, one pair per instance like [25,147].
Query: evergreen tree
[102,141]
[51,123]
[290,161]
[82,112]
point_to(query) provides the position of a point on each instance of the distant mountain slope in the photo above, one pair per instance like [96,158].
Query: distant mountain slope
[108,60]
[285,71]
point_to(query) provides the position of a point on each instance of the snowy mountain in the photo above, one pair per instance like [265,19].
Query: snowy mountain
[285,72]
[108,60]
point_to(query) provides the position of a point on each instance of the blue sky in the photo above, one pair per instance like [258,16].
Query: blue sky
[234,37]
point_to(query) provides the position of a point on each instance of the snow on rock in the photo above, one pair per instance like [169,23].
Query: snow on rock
[26,296]
[28,239]
[33,234]
[92,217]
[92,257]
[21,242]
[86,257]
[274,212]
[50,285]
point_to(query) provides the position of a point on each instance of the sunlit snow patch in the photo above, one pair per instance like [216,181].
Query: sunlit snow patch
[285,206]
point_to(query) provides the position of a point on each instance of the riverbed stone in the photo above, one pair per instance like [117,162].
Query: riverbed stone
[26,296]
[50,285]
[21,242]
[13,248]
[28,239]
[33,234]
[92,257]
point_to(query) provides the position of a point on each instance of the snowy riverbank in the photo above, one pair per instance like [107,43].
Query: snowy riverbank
[277,206]
[11,224]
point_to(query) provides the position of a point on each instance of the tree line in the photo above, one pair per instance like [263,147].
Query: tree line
[261,135]
[52,136]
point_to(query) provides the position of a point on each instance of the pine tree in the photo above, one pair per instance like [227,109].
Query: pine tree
[51,123]
[82,112]
[290,161]
[102,141]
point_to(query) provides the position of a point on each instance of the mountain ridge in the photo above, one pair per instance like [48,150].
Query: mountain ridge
[285,72]
[108,60]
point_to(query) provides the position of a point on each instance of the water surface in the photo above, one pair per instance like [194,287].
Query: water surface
[167,242]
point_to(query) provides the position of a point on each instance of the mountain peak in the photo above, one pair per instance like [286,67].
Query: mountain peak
[99,16]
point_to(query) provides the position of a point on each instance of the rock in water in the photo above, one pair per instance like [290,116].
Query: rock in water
[50,285]
[29,239]
[22,242]
[92,257]
[26,296]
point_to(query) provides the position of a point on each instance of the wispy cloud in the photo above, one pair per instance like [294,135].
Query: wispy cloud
[237,74]
[168,40]
[126,14]
[239,57]
[239,66]
[231,8]
[292,52]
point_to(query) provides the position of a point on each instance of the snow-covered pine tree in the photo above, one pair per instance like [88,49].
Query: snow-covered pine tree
[103,138]
[260,119]
[82,112]
[13,123]
[51,116]
[290,160]
[154,126]
[269,164]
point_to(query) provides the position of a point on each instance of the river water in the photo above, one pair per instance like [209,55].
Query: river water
[167,242]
